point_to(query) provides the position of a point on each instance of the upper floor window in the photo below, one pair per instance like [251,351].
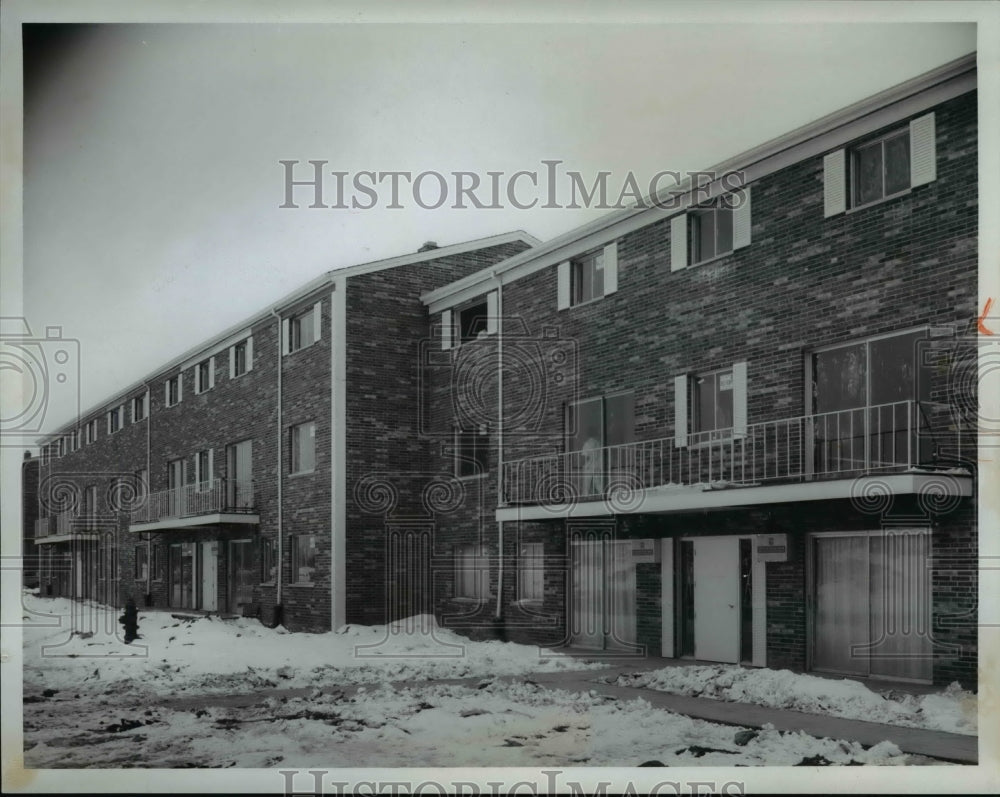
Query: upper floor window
[595,429]
[711,231]
[203,469]
[302,329]
[116,419]
[880,168]
[74,440]
[303,448]
[91,431]
[140,407]
[471,452]
[241,358]
[713,401]
[472,322]
[172,390]
[204,375]
[61,447]
[587,277]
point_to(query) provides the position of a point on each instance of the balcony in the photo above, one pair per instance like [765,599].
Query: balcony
[204,504]
[907,439]
[64,527]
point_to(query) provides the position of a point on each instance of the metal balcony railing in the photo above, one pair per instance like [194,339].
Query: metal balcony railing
[203,498]
[882,438]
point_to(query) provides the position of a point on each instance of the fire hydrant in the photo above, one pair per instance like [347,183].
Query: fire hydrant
[130,619]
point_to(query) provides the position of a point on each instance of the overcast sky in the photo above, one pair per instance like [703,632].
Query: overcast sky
[152,180]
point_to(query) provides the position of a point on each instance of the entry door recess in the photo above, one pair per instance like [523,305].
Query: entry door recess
[241,573]
[717,599]
[603,605]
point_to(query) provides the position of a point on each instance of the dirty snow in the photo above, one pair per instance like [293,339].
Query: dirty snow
[214,693]
[953,710]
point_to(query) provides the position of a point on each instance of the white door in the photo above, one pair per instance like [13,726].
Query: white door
[619,576]
[603,608]
[717,599]
[587,615]
[209,576]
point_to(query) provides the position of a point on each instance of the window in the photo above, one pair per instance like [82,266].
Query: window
[587,277]
[530,572]
[159,563]
[116,419]
[302,329]
[141,486]
[268,560]
[595,428]
[471,572]
[712,396]
[303,556]
[91,430]
[880,168]
[74,440]
[172,389]
[472,322]
[204,375]
[61,447]
[140,407]
[303,448]
[711,232]
[203,470]
[471,452]
[241,358]
[141,563]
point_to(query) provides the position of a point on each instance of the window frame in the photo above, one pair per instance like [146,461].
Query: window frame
[464,466]
[713,435]
[141,553]
[173,384]
[116,421]
[480,572]
[295,326]
[592,261]
[140,407]
[295,448]
[479,320]
[91,431]
[244,347]
[294,555]
[203,375]
[268,556]
[696,217]
[852,169]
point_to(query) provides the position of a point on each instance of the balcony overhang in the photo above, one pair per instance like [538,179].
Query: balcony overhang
[206,521]
[674,499]
[52,539]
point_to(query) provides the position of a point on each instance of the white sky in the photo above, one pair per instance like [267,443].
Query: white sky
[152,182]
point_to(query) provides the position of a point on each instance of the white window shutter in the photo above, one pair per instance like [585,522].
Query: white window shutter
[166,393]
[317,321]
[286,336]
[739,399]
[232,362]
[492,309]
[197,469]
[741,219]
[562,286]
[250,353]
[145,404]
[211,371]
[198,386]
[121,417]
[834,184]
[923,151]
[678,242]
[446,330]
[180,386]
[109,423]
[681,411]
[208,477]
[611,268]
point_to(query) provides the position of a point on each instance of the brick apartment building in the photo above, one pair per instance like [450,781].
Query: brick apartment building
[733,428]
[737,426]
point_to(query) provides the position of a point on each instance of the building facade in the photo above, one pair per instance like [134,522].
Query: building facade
[733,425]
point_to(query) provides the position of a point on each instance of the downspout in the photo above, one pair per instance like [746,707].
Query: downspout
[149,478]
[500,556]
[280,560]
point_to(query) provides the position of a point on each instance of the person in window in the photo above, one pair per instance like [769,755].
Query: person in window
[592,482]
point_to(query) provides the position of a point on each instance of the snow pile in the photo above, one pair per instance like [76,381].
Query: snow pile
[68,643]
[953,710]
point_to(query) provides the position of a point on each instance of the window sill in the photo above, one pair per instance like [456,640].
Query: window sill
[529,603]
[875,203]
[710,260]
[471,601]
[290,352]
[268,584]
[300,473]
[303,584]
[584,304]
[471,476]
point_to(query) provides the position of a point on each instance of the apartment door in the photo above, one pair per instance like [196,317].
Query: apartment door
[182,575]
[716,594]
[239,469]
[209,567]
[602,613]
[241,573]
[872,609]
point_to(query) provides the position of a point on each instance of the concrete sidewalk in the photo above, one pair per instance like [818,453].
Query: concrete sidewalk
[935,744]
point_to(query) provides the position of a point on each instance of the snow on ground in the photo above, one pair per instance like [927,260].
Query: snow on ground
[437,725]
[200,653]
[953,710]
